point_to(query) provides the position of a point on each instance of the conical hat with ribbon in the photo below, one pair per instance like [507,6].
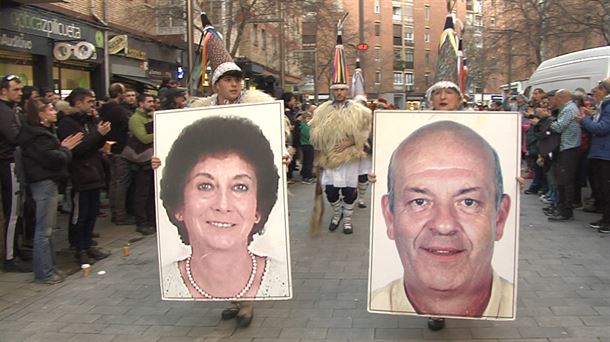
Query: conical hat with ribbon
[340,75]
[215,53]
[447,62]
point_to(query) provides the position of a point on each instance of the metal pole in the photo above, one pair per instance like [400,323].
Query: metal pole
[315,75]
[189,41]
[360,26]
[282,43]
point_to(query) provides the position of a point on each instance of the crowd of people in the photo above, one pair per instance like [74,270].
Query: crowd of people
[77,148]
[567,148]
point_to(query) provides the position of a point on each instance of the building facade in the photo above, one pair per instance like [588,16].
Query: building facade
[87,44]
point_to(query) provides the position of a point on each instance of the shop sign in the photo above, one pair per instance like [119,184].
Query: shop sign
[44,24]
[117,44]
[18,41]
[136,54]
[82,51]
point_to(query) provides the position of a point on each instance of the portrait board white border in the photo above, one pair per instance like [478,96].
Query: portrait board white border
[501,130]
[275,242]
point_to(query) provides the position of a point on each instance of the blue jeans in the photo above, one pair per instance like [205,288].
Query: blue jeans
[45,196]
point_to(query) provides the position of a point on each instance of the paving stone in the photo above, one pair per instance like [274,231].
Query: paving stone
[252,332]
[497,332]
[131,338]
[542,332]
[84,328]
[589,331]
[580,310]
[91,338]
[124,329]
[383,333]
[297,333]
[49,337]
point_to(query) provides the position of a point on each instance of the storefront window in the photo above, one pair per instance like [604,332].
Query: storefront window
[70,79]
[23,71]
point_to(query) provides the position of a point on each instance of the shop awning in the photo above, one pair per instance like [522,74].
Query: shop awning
[143,80]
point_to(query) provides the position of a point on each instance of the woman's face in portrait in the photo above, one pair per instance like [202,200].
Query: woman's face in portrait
[220,201]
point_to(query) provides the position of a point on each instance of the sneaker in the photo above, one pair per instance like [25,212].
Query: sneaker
[547,200]
[308,181]
[596,224]
[530,192]
[361,204]
[145,230]
[97,253]
[605,228]
[18,266]
[577,206]
[52,280]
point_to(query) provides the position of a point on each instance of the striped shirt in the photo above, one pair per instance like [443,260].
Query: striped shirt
[567,126]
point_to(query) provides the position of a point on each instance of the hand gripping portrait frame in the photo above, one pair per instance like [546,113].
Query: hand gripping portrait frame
[271,242]
[502,132]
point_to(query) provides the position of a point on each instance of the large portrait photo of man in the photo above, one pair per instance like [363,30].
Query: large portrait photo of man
[444,221]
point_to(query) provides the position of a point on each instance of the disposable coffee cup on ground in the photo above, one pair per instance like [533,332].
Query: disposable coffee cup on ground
[85,270]
[126,250]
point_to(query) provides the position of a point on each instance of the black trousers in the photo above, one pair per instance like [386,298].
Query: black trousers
[144,196]
[349,194]
[85,207]
[566,170]
[10,201]
[307,167]
[601,183]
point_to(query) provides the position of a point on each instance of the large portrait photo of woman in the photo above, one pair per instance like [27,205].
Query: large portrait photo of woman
[221,204]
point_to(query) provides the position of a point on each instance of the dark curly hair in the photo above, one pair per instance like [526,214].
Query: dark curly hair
[213,136]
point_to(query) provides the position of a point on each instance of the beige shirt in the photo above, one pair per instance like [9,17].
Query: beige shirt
[393,298]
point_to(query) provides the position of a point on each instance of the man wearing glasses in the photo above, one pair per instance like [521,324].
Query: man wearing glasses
[10,95]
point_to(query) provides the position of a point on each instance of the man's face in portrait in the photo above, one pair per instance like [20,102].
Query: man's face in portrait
[443,216]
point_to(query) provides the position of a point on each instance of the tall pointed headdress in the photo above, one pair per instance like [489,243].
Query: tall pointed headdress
[447,61]
[339,71]
[358,92]
[214,52]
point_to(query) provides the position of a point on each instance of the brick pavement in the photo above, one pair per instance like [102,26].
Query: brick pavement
[564,293]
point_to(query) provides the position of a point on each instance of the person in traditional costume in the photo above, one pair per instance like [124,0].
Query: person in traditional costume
[339,133]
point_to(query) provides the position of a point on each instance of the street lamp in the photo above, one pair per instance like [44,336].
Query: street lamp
[315,70]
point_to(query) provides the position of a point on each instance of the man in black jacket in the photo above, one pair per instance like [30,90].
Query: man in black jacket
[10,95]
[117,114]
[86,171]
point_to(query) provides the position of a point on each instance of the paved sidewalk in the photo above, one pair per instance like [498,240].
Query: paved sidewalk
[564,292]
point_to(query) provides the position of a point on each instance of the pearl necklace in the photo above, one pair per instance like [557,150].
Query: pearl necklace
[207,295]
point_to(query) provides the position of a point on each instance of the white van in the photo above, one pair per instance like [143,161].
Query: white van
[581,69]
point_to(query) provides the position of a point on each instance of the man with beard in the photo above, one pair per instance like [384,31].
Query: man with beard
[139,152]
